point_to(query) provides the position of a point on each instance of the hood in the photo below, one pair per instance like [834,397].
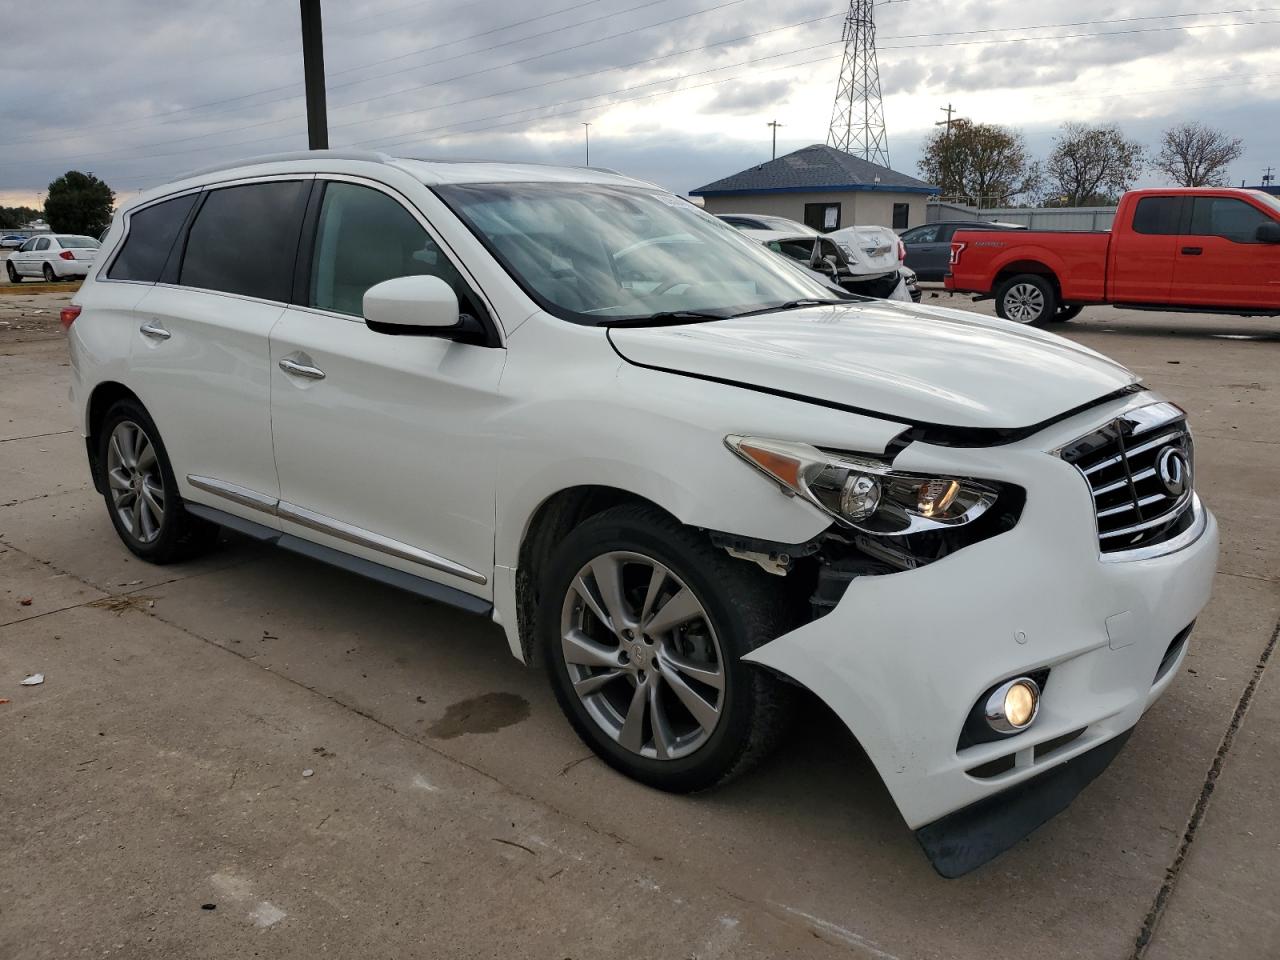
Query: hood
[917,365]
[870,250]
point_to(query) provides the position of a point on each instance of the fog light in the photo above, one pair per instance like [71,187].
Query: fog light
[1012,706]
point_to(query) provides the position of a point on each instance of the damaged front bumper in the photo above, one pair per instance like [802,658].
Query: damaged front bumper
[904,657]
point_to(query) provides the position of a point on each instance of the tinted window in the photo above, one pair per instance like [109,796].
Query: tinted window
[29,245]
[927,234]
[1226,217]
[244,240]
[42,243]
[1157,215]
[365,237]
[152,232]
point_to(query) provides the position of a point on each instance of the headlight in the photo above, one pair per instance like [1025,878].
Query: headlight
[862,492]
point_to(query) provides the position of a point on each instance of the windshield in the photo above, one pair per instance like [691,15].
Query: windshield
[77,243]
[598,254]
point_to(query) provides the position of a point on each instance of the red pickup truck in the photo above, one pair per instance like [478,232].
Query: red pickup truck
[1199,250]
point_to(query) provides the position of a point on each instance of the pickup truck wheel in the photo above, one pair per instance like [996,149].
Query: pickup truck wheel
[1027,298]
[643,625]
[1064,314]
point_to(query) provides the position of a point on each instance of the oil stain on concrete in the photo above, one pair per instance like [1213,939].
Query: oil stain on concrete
[486,713]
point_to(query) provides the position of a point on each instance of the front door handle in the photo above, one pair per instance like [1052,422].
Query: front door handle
[1193,251]
[297,369]
[155,330]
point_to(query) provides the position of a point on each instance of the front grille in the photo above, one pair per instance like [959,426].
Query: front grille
[1139,467]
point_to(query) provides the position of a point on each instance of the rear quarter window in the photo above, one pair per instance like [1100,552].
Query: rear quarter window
[152,232]
[1157,215]
[244,240]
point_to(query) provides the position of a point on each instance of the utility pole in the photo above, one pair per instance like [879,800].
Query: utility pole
[1268,176]
[775,124]
[586,132]
[949,110]
[313,75]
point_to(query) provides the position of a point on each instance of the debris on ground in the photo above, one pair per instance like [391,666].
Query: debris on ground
[3,700]
[34,680]
[118,605]
[26,601]
[308,772]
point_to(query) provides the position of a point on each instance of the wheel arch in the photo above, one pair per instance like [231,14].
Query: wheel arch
[1035,267]
[101,399]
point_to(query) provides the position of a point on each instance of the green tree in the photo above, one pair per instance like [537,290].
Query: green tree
[1193,155]
[15,218]
[1091,166]
[79,203]
[983,163]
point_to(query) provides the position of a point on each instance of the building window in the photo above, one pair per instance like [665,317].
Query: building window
[901,216]
[822,216]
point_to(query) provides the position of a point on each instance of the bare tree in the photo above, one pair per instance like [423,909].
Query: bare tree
[1193,155]
[983,162]
[1091,165]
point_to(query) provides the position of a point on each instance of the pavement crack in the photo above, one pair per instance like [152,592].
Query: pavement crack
[1174,870]
[37,436]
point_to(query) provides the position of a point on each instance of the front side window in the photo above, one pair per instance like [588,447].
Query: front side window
[245,238]
[1226,217]
[152,232]
[928,234]
[1157,216]
[28,246]
[365,237]
[597,253]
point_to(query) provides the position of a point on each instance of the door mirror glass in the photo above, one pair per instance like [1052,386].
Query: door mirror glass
[1268,232]
[422,302]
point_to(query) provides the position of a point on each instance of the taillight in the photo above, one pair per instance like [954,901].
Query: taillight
[68,316]
[956,249]
[66,255]
[902,251]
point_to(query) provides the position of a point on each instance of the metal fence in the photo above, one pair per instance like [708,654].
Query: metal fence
[1037,218]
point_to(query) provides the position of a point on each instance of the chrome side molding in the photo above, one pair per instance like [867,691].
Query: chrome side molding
[334,528]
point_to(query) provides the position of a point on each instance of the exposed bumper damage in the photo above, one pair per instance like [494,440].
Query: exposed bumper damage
[903,658]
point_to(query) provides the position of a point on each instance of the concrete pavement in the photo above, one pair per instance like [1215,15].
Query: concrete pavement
[451,811]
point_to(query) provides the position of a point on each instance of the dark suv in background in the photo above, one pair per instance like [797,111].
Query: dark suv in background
[929,245]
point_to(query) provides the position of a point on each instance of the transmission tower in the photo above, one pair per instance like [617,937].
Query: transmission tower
[857,119]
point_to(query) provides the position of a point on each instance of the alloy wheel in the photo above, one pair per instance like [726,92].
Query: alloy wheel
[642,656]
[135,481]
[1024,303]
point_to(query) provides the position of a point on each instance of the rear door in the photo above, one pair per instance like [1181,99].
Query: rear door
[1142,257]
[201,355]
[381,440]
[1220,261]
[929,249]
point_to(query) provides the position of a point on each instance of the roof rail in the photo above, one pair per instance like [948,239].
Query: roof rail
[368,155]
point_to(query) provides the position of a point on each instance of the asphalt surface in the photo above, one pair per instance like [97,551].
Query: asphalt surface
[155,802]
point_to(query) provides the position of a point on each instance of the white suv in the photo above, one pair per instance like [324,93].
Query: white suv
[677,471]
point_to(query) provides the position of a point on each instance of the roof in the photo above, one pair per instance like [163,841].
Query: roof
[816,167]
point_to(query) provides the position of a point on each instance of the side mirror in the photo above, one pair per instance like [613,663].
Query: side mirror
[424,303]
[1268,232]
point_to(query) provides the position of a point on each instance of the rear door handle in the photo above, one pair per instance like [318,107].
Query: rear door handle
[301,367]
[155,330]
[1193,251]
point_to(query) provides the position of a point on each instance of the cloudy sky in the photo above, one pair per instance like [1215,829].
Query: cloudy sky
[676,91]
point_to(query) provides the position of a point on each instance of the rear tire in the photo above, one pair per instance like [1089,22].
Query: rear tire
[141,491]
[14,275]
[1028,299]
[49,275]
[627,692]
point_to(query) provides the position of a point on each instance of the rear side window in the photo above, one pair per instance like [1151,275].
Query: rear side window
[1157,215]
[152,232]
[365,237]
[42,243]
[244,240]
[1226,217]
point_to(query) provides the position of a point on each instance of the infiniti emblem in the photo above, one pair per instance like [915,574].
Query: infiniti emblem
[1174,471]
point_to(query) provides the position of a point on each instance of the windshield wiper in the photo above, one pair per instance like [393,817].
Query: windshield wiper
[792,305]
[665,318]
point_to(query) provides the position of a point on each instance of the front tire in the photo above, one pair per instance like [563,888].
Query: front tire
[1028,299]
[643,624]
[141,491]
[14,275]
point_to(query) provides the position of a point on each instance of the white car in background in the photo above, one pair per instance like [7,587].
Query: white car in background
[675,469]
[53,256]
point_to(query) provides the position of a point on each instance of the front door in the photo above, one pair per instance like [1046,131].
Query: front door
[1220,261]
[381,440]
